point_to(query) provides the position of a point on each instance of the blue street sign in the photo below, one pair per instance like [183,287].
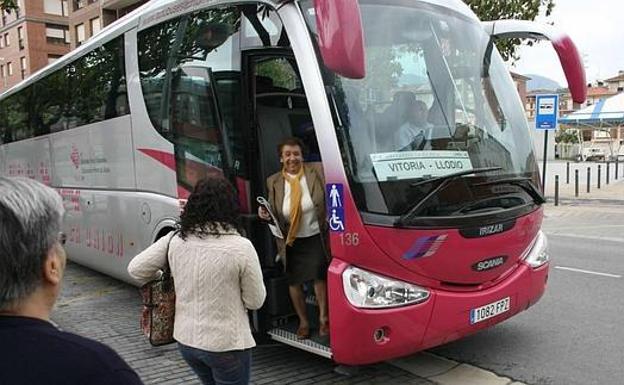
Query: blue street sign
[335,209]
[546,112]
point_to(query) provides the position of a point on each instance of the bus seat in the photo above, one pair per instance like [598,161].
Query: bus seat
[264,84]
[274,125]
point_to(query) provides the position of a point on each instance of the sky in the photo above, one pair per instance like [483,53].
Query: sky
[597,29]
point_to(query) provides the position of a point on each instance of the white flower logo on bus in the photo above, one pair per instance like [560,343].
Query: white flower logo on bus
[75,156]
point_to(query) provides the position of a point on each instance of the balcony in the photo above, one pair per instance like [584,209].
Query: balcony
[56,41]
[79,4]
[118,4]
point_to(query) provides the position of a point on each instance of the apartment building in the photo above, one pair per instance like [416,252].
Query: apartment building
[31,37]
[41,31]
[87,17]
[520,81]
[616,83]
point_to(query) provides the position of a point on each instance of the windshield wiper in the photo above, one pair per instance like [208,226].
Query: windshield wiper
[445,179]
[524,183]
[455,175]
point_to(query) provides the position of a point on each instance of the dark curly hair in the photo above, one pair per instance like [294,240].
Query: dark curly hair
[211,209]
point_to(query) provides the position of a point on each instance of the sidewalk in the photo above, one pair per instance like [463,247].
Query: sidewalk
[607,193]
[107,310]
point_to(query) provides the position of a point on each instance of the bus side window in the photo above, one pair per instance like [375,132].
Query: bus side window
[194,100]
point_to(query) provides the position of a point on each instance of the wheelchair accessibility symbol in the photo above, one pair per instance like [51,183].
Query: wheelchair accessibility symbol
[335,208]
[335,221]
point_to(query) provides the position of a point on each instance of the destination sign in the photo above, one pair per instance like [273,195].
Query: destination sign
[419,164]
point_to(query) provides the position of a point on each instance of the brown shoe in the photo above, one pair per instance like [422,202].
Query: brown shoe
[303,333]
[324,329]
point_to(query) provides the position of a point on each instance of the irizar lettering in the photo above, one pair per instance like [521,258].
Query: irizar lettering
[489,230]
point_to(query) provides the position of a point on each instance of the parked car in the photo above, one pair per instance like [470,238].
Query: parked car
[592,153]
[614,157]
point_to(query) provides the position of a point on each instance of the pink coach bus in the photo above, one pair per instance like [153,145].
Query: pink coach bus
[434,235]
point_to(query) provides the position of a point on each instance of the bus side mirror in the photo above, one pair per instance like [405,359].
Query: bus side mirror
[340,36]
[212,35]
[564,46]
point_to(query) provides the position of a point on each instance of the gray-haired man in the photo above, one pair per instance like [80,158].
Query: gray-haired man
[32,262]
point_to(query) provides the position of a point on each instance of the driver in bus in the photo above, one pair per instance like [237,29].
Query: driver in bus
[413,133]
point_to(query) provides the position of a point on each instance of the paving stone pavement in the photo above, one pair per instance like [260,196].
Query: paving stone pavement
[107,310]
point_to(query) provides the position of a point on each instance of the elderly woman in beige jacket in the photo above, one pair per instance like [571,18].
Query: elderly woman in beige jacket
[217,279]
[296,193]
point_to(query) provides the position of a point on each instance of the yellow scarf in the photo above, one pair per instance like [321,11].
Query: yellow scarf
[295,204]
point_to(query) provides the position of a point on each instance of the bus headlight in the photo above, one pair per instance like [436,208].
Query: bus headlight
[537,254]
[368,290]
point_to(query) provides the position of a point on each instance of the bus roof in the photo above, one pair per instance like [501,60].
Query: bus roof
[156,11]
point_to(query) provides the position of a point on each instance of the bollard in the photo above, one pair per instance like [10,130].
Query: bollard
[567,172]
[598,176]
[588,179]
[556,190]
[576,183]
[608,172]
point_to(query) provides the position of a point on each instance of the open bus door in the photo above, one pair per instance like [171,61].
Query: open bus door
[278,108]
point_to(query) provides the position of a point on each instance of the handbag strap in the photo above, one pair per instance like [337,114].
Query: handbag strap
[166,268]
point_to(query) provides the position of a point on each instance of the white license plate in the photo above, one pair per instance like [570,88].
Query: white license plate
[490,310]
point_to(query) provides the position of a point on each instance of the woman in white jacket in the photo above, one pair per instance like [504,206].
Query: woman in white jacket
[217,279]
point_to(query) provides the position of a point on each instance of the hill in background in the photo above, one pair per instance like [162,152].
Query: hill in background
[538,82]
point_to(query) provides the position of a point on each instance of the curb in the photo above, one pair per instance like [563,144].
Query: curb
[442,371]
[550,201]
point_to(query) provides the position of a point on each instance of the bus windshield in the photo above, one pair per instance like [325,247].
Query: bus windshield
[436,100]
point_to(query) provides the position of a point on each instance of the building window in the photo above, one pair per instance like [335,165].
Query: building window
[79,4]
[53,58]
[10,68]
[57,34]
[2,71]
[7,40]
[80,34]
[20,37]
[23,67]
[95,25]
[54,7]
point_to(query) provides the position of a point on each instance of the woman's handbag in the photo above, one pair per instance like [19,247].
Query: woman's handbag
[158,311]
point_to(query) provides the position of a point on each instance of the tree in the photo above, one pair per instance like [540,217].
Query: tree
[8,5]
[510,9]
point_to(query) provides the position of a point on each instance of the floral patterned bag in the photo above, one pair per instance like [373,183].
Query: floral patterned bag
[158,311]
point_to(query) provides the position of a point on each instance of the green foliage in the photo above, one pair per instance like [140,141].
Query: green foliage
[160,40]
[566,136]
[510,9]
[8,4]
[384,71]
[280,71]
